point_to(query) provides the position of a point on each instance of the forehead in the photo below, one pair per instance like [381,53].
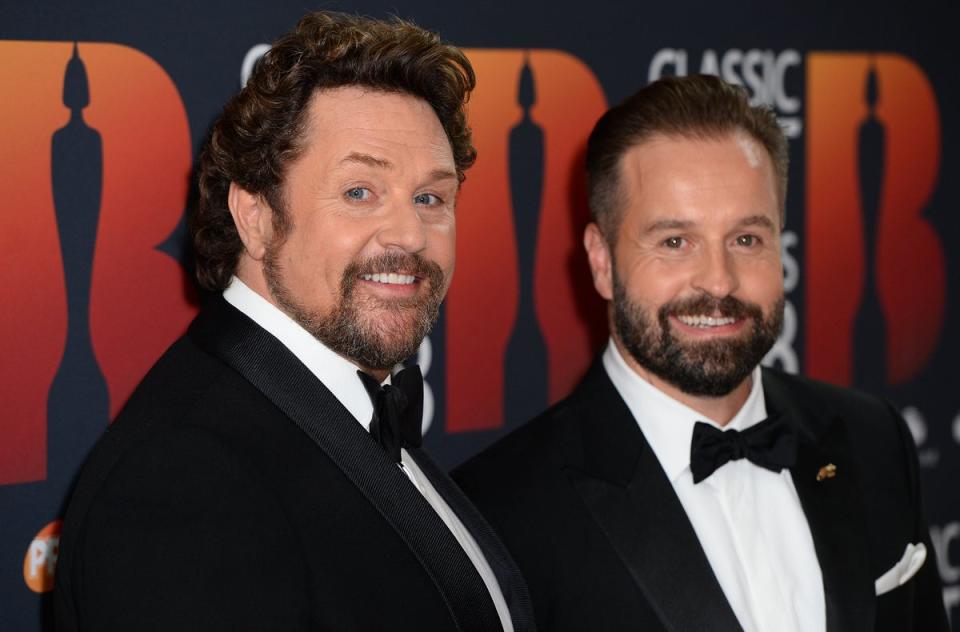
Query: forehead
[698,180]
[355,118]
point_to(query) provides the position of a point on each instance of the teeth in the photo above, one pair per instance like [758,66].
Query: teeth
[706,321]
[390,278]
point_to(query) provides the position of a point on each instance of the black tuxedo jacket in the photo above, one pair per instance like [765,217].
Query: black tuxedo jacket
[581,501]
[234,492]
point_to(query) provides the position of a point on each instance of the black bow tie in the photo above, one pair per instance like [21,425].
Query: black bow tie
[771,444]
[397,410]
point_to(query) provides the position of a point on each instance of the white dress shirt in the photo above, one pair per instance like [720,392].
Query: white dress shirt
[339,375]
[747,518]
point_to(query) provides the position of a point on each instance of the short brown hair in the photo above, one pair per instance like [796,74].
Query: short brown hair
[260,131]
[698,106]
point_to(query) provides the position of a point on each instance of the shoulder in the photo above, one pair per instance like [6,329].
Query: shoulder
[524,473]
[531,448]
[173,471]
[860,411]
[875,432]
[174,442]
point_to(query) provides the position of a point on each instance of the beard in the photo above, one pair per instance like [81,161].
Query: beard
[374,333]
[710,368]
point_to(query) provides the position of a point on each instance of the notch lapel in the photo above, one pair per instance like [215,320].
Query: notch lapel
[832,505]
[272,369]
[624,487]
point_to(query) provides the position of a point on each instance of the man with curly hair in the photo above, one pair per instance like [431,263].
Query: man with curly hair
[267,474]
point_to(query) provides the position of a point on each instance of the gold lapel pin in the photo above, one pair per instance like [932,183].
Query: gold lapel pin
[827,471]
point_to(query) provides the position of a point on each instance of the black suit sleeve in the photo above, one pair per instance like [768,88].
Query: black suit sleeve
[928,609]
[183,535]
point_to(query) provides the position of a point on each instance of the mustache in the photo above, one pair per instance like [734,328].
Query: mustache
[404,262]
[398,262]
[728,306]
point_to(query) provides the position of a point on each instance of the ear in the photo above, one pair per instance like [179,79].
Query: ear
[598,254]
[253,219]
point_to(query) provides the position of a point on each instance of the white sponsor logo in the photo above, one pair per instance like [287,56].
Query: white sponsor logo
[761,72]
[942,538]
[250,61]
[783,353]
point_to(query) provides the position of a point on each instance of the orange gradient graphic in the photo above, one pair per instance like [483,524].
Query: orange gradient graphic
[140,299]
[910,271]
[33,318]
[571,314]
[483,299]
[41,558]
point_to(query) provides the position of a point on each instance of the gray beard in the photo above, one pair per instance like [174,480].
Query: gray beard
[350,330]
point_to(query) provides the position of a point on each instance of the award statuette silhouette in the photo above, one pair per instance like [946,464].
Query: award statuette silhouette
[869,326]
[78,403]
[525,361]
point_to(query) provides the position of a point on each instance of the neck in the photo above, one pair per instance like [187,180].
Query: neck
[719,409]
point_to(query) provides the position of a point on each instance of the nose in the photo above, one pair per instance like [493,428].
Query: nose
[403,228]
[716,274]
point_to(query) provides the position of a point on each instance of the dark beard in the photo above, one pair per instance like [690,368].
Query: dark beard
[349,329]
[711,368]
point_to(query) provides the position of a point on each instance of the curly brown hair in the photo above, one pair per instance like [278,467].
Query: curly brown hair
[698,106]
[261,128]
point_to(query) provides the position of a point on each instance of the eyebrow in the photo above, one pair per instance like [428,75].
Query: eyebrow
[383,163]
[757,220]
[666,224]
[677,224]
[442,174]
[368,160]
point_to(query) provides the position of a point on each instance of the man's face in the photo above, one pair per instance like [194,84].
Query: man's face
[694,275]
[370,252]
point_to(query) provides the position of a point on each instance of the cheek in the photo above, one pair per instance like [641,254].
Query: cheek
[653,285]
[443,244]
[315,259]
[764,279]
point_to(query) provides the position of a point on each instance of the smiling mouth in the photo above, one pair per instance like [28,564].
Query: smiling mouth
[390,278]
[706,322]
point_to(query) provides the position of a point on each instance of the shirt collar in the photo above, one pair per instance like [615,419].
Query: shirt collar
[666,423]
[337,373]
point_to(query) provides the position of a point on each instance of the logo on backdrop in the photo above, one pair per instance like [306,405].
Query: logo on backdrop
[762,72]
[96,166]
[877,276]
[944,538]
[41,559]
[522,278]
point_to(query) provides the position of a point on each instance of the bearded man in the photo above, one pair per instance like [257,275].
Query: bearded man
[681,486]
[266,474]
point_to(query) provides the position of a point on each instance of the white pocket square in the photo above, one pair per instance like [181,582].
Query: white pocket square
[902,571]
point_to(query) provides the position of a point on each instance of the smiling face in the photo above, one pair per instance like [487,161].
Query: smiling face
[370,202]
[694,276]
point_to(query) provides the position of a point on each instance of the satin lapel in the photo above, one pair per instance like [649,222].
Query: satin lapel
[508,576]
[633,502]
[832,505]
[273,370]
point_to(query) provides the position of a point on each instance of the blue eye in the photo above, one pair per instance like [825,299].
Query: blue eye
[428,199]
[358,193]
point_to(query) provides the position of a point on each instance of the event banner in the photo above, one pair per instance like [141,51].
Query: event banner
[106,106]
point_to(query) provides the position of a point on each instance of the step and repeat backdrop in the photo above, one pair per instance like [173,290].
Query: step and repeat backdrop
[105,106]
